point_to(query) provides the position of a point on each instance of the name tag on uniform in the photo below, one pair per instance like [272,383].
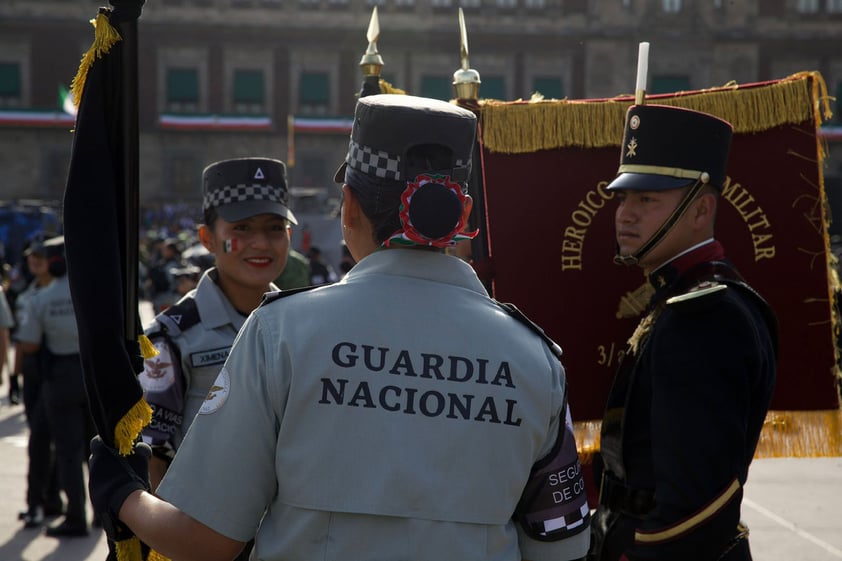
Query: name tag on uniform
[207,358]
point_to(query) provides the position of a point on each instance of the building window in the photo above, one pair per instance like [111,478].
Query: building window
[437,87]
[493,87]
[575,7]
[668,84]
[313,93]
[441,3]
[672,6]
[550,88]
[249,91]
[10,84]
[534,4]
[405,3]
[375,2]
[834,6]
[807,6]
[506,4]
[471,3]
[182,90]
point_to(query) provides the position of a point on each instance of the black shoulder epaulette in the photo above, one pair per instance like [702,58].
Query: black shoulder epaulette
[270,297]
[179,317]
[513,311]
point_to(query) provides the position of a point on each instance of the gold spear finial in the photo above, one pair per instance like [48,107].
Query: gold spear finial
[372,62]
[465,80]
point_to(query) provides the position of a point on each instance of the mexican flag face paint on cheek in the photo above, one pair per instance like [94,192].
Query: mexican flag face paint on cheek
[230,245]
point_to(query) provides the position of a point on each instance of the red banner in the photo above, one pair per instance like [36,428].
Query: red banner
[550,231]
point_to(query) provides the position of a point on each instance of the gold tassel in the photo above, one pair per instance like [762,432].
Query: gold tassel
[128,550]
[126,431]
[792,434]
[387,88]
[147,349]
[104,38]
[521,127]
[155,556]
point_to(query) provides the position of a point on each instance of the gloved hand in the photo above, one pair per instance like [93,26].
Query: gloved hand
[113,478]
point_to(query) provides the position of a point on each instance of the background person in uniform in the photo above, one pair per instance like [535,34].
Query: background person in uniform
[247,228]
[50,317]
[185,278]
[400,413]
[689,398]
[43,498]
[7,322]
[320,272]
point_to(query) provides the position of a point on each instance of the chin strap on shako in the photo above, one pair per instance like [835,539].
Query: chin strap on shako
[656,238]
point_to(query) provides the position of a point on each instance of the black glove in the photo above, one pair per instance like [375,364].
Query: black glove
[114,477]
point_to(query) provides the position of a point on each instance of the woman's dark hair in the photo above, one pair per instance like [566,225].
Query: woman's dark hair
[380,199]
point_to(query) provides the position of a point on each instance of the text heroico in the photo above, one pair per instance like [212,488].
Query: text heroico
[574,235]
[468,404]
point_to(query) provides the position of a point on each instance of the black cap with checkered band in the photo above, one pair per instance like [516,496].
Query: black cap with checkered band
[243,187]
[387,126]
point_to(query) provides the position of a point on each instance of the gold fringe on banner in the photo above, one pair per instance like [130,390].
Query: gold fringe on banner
[387,88]
[528,126]
[104,38]
[793,434]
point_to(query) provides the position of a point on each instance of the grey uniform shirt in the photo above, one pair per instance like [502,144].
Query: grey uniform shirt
[49,314]
[7,321]
[394,415]
[193,340]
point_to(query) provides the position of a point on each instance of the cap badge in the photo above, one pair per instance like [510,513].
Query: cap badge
[259,174]
[632,148]
[634,122]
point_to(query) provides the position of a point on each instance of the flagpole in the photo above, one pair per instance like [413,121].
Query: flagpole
[129,12]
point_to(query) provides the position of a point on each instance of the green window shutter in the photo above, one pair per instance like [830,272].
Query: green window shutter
[437,87]
[313,88]
[493,87]
[9,79]
[248,86]
[668,84]
[550,88]
[182,85]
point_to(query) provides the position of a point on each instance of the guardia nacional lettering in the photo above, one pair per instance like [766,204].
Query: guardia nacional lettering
[403,398]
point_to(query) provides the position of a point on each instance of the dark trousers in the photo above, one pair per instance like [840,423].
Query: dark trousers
[42,477]
[68,417]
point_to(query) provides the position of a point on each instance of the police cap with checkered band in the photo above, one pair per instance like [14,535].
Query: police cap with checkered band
[387,126]
[668,147]
[240,188]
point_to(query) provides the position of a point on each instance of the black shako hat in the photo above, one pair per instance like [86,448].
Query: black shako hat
[668,147]
[387,126]
[243,187]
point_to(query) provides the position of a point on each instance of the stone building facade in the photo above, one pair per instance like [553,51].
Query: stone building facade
[222,78]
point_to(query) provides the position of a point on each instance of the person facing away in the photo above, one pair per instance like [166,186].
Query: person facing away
[688,401]
[400,413]
[246,227]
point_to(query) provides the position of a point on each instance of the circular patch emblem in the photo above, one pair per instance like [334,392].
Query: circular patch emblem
[634,122]
[159,371]
[217,394]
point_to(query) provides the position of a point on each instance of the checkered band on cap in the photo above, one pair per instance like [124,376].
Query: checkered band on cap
[241,193]
[374,162]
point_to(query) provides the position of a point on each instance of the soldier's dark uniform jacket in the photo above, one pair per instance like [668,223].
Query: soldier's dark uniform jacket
[684,415]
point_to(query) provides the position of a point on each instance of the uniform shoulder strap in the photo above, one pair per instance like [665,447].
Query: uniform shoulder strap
[513,311]
[270,297]
[179,317]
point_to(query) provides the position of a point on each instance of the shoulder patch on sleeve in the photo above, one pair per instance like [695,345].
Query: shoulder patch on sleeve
[701,291]
[217,394]
[159,372]
[180,317]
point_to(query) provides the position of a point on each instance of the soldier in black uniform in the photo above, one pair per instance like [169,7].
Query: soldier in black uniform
[688,401]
